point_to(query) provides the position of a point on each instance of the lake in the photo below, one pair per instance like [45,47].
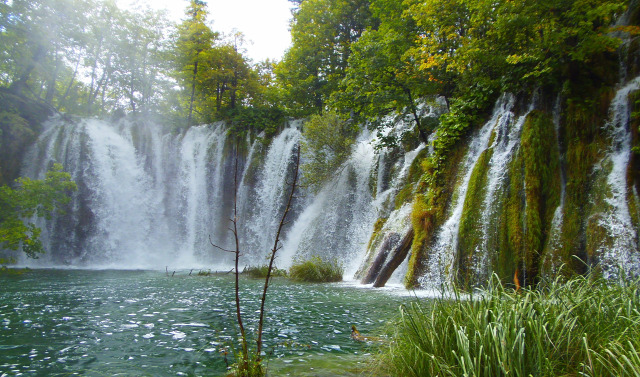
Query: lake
[148,323]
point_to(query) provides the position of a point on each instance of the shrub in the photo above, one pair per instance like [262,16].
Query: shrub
[316,270]
[260,272]
[586,327]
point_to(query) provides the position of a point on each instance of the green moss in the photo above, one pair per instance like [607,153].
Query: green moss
[542,182]
[433,196]
[377,227]
[584,146]
[405,195]
[437,184]
[422,218]
[470,232]
[510,240]
[633,171]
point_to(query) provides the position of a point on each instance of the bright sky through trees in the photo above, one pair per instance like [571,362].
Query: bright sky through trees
[265,23]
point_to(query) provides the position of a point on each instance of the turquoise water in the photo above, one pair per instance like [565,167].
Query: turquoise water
[144,323]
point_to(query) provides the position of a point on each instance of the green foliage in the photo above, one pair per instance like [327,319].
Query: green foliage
[106,59]
[260,272]
[15,133]
[516,44]
[84,57]
[326,145]
[267,119]
[466,112]
[249,367]
[381,77]
[583,327]
[322,32]
[31,198]
[316,270]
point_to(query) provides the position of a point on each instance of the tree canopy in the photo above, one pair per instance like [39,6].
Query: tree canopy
[89,57]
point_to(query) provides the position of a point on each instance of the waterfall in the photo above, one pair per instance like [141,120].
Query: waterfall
[336,223]
[150,198]
[263,207]
[442,252]
[619,249]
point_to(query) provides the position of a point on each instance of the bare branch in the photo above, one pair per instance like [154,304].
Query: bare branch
[218,247]
[276,246]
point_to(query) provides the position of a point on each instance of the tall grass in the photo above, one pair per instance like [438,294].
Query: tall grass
[316,270]
[583,327]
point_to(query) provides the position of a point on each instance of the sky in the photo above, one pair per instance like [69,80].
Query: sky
[265,23]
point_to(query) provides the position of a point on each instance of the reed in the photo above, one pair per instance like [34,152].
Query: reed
[582,327]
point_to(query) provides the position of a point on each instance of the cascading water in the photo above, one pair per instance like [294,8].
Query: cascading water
[141,193]
[150,198]
[620,248]
[442,252]
[201,180]
[262,208]
[337,222]
[505,144]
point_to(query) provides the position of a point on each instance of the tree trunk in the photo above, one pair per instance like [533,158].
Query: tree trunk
[73,79]
[397,256]
[193,90]
[424,137]
[20,84]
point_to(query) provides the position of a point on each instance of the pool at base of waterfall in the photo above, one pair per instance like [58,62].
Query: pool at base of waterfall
[150,323]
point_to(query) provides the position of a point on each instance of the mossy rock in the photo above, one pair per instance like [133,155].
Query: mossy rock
[405,195]
[470,233]
[431,202]
[542,183]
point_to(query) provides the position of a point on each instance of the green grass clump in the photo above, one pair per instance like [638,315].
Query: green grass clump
[316,270]
[260,272]
[584,327]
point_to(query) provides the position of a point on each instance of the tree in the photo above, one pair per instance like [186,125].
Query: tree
[137,66]
[39,198]
[229,79]
[382,75]
[82,56]
[322,34]
[193,46]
